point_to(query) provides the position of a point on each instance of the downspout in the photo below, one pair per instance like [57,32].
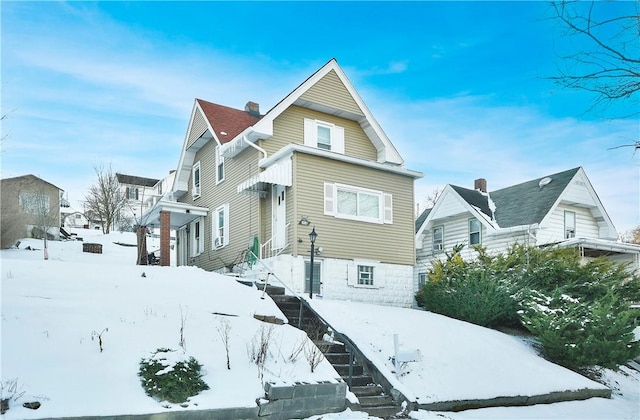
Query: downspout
[255,146]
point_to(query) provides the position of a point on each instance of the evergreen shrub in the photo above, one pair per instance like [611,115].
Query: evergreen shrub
[168,375]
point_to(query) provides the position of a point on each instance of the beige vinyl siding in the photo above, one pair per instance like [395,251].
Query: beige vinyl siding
[552,229]
[198,127]
[243,207]
[288,128]
[341,238]
[331,91]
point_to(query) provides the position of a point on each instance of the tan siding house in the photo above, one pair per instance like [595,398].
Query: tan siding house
[26,200]
[261,183]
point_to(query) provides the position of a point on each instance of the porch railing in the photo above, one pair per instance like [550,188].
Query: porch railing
[268,250]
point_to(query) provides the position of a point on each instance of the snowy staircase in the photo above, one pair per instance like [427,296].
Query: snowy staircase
[371,395]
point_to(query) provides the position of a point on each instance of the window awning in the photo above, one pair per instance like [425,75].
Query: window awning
[278,173]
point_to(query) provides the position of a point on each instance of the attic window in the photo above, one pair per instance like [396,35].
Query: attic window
[323,135]
[569,224]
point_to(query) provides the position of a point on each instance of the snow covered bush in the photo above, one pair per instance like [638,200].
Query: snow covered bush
[579,311]
[578,332]
[169,375]
[468,291]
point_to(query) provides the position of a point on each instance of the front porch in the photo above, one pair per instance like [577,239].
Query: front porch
[171,215]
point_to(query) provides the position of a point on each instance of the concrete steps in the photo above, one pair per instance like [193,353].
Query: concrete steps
[372,398]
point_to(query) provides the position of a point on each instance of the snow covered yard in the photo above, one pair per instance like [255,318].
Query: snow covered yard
[54,313]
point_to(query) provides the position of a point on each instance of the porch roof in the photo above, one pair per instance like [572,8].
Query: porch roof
[601,246]
[181,213]
[277,173]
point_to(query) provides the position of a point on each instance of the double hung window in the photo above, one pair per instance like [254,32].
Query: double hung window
[196,180]
[323,135]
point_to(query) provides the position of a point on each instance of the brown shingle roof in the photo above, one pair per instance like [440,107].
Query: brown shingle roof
[226,120]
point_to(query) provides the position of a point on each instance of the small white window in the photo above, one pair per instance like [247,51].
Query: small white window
[220,223]
[323,135]
[196,180]
[438,239]
[348,202]
[475,229]
[569,224]
[219,166]
[365,275]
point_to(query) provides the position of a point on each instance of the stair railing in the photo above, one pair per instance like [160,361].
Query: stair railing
[267,250]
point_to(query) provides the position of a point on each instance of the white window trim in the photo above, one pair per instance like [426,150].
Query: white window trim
[433,242]
[470,232]
[575,218]
[311,134]
[197,248]
[196,190]
[379,274]
[385,203]
[216,241]
[219,161]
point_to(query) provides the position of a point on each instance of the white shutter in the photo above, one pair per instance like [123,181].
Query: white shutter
[352,274]
[337,139]
[329,198]
[226,224]
[310,135]
[388,208]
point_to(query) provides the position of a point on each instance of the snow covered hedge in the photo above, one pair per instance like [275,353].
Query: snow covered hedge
[579,313]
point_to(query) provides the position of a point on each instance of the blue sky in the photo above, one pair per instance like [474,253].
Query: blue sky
[459,87]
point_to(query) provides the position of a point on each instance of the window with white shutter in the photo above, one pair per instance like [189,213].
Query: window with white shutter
[323,135]
[355,203]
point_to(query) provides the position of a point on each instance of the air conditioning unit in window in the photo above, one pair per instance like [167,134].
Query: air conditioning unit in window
[218,243]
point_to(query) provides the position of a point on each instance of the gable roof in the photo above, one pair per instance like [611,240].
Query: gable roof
[522,204]
[30,176]
[528,203]
[136,180]
[226,122]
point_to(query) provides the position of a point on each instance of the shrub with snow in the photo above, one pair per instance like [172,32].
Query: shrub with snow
[169,375]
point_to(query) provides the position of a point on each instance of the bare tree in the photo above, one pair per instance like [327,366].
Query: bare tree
[609,67]
[105,200]
[632,236]
[44,212]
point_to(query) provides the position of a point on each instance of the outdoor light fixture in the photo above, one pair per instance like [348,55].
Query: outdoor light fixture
[312,237]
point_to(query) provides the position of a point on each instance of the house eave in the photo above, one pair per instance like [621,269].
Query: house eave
[299,148]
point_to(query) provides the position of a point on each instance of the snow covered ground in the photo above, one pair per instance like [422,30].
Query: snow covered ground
[53,312]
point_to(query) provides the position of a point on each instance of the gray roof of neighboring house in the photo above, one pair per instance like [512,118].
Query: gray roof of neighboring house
[522,204]
[136,180]
[420,220]
[16,178]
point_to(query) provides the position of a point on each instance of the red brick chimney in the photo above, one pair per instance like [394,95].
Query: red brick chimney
[252,108]
[480,184]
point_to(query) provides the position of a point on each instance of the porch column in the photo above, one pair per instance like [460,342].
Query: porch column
[165,237]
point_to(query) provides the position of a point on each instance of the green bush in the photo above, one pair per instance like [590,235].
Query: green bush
[468,292]
[168,375]
[579,312]
[580,333]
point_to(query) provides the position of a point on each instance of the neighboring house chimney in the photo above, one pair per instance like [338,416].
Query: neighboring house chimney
[480,184]
[252,108]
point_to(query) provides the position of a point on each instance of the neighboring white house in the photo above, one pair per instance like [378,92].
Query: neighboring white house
[142,193]
[560,210]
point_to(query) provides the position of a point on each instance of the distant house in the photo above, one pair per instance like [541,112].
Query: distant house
[317,159]
[71,217]
[560,210]
[142,194]
[28,204]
